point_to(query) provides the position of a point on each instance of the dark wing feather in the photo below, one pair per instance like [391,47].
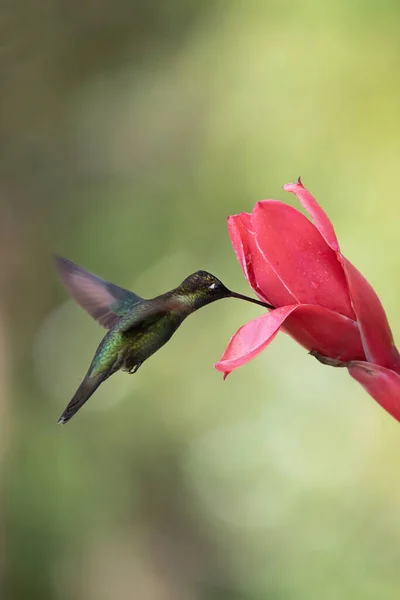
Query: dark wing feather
[149,312]
[103,300]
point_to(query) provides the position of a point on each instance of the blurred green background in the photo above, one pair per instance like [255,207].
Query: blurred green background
[128,132]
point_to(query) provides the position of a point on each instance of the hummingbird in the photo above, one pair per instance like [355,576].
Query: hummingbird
[137,327]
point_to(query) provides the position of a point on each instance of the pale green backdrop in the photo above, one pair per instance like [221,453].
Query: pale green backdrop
[128,132]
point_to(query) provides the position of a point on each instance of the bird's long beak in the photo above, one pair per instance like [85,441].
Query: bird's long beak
[253,300]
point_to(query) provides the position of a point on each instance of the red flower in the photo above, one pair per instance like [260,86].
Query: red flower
[321,299]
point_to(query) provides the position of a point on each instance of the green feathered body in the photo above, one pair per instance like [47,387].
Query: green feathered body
[127,349]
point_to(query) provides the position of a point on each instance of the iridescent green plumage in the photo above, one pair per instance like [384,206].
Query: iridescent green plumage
[137,327]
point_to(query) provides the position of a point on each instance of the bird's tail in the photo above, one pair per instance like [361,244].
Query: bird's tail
[88,386]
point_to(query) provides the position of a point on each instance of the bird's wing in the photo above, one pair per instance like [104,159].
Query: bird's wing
[143,315]
[103,300]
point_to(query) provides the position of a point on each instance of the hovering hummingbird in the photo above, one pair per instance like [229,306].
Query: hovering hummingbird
[137,327]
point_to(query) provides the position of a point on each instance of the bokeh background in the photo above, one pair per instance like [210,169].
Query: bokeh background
[129,130]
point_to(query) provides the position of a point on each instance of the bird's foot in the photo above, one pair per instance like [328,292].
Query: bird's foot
[134,369]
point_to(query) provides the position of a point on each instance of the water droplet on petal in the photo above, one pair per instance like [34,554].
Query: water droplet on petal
[315,285]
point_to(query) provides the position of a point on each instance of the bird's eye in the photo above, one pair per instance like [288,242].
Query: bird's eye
[213,286]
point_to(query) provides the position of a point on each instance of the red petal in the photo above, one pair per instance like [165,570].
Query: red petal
[382,384]
[241,238]
[320,218]
[306,266]
[374,327]
[265,277]
[238,235]
[251,338]
[325,331]
[376,334]
[315,327]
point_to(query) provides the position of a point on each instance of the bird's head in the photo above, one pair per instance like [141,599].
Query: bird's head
[203,287]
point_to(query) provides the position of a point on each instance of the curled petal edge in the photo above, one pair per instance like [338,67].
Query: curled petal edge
[258,334]
[376,335]
[319,216]
[239,232]
[382,384]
